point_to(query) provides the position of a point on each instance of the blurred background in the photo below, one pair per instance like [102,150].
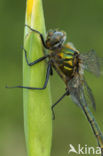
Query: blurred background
[83,22]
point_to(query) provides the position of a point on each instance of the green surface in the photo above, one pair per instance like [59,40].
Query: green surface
[83,22]
[37,103]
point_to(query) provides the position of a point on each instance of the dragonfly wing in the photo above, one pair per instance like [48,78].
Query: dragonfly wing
[89,95]
[80,91]
[78,97]
[76,88]
[74,96]
[77,93]
[91,62]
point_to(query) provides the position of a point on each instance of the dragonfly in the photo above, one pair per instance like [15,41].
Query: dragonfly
[70,65]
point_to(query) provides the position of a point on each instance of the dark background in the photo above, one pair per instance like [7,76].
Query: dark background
[83,22]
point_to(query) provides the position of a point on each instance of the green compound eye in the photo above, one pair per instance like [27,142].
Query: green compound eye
[55,39]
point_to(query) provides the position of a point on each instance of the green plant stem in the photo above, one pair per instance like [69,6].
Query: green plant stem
[37,103]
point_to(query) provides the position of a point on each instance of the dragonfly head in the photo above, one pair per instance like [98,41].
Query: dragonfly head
[55,39]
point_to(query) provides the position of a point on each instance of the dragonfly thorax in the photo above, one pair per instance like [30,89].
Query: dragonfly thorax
[55,39]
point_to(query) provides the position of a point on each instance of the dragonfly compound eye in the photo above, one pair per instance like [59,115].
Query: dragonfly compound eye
[55,39]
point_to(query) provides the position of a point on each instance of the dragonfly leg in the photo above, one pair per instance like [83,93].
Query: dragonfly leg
[33,88]
[36,61]
[41,36]
[66,93]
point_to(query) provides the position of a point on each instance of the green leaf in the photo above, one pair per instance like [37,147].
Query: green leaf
[37,103]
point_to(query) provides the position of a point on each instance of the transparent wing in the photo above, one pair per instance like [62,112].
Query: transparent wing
[80,91]
[78,96]
[89,95]
[75,87]
[91,62]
